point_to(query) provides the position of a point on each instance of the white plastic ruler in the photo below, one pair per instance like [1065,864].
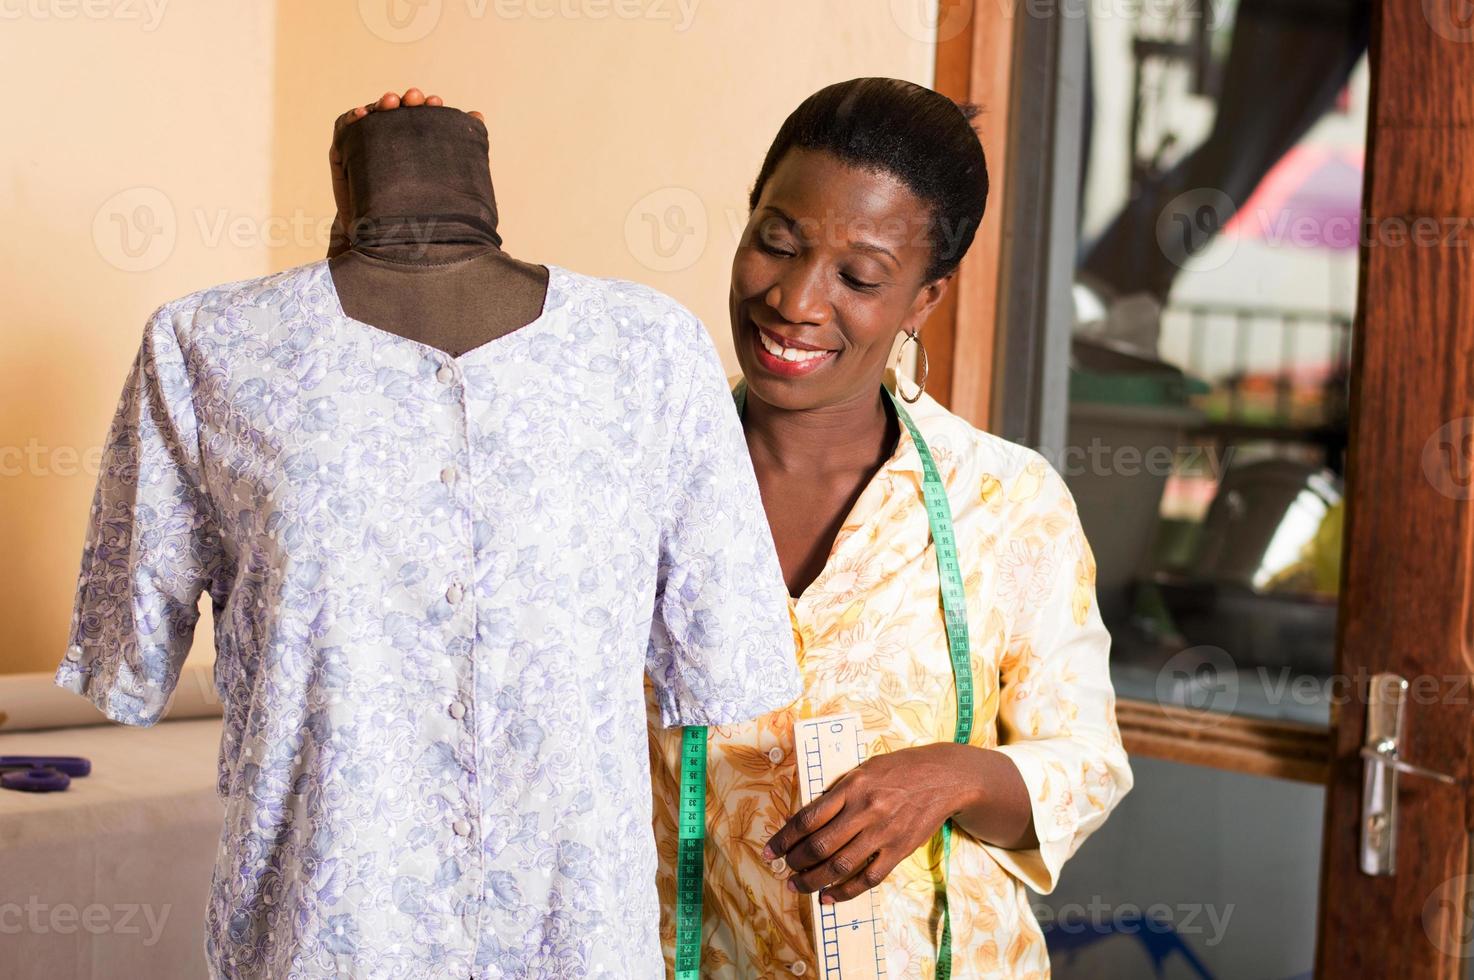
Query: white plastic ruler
[848,937]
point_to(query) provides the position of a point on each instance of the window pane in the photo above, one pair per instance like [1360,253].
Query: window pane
[1214,295]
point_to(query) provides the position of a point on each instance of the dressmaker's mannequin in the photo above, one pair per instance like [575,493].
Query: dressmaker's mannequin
[419,255]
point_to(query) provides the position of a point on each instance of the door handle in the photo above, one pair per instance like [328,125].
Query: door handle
[1381,765]
[1388,757]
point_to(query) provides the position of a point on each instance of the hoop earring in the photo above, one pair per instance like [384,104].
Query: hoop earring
[912,338]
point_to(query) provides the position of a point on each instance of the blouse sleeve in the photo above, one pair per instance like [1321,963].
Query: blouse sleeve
[721,642]
[150,547]
[1057,718]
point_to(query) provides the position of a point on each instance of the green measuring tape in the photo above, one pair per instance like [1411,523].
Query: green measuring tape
[689,869]
[692,830]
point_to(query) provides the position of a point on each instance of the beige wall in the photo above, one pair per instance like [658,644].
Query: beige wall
[123,133]
[594,117]
[612,121]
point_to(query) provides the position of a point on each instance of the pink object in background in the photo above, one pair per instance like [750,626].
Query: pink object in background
[1310,199]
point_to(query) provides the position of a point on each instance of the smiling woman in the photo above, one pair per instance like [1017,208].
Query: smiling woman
[887,245]
[993,749]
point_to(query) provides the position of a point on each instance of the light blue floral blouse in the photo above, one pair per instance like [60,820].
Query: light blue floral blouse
[438,584]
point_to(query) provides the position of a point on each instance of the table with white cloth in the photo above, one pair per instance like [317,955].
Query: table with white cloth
[107,880]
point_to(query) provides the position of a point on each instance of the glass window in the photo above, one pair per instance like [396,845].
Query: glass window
[1215,286]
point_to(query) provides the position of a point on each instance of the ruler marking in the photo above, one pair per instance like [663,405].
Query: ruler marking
[847,935]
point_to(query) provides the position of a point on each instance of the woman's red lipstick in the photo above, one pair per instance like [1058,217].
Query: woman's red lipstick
[811,358]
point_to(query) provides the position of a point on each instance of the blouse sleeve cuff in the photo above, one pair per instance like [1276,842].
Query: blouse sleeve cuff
[85,672]
[674,713]
[1055,821]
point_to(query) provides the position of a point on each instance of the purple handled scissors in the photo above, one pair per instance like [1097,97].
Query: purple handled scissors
[41,773]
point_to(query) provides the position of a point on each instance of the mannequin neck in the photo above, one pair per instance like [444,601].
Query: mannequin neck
[419,186]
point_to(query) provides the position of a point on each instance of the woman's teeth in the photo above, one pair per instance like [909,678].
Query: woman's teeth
[789,353]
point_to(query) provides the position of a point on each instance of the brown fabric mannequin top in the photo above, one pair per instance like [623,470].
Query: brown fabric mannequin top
[423,257]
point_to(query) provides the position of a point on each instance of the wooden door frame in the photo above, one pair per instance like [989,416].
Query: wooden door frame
[1000,340]
[974,59]
[1408,563]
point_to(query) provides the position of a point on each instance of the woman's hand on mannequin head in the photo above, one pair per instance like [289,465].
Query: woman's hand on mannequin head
[386,102]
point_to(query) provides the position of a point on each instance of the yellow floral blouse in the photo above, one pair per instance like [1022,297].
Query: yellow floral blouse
[870,638]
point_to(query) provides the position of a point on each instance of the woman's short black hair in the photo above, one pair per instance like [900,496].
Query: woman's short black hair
[918,136]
